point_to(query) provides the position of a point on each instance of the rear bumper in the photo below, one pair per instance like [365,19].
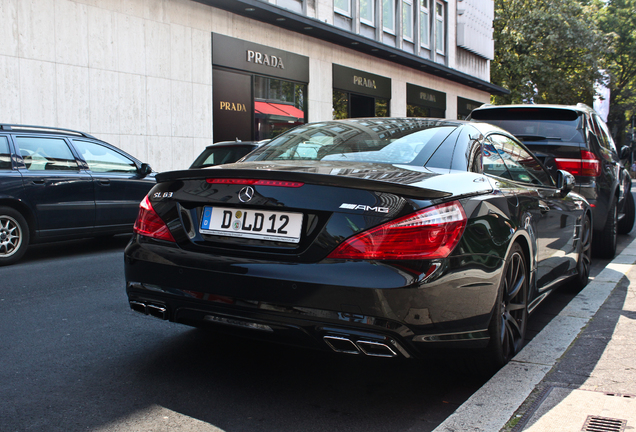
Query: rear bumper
[357,308]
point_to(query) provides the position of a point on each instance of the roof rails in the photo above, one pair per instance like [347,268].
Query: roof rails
[30,128]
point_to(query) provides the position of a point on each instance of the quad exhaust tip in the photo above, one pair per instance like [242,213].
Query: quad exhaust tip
[345,345]
[157,311]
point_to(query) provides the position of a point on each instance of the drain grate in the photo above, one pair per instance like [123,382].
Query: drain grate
[603,424]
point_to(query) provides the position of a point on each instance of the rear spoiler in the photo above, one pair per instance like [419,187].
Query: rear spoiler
[311,178]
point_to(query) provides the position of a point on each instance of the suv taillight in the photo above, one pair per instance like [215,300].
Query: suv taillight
[149,223]
[588,165]
[426,234]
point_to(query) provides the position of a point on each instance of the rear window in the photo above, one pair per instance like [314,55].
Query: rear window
[392,141]
[535,124]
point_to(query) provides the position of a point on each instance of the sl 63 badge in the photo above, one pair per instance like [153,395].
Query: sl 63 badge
[159,195]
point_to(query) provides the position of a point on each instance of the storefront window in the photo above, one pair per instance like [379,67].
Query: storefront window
[340,105]
[279,105]
[381,108]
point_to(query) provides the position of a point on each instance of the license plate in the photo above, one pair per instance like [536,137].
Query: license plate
[254,224]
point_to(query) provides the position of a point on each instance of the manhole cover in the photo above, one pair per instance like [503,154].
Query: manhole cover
[603,424]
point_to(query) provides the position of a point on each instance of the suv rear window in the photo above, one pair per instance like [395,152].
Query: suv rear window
[535,124]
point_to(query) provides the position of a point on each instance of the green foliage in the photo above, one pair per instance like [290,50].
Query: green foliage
[617,19]
[546,51]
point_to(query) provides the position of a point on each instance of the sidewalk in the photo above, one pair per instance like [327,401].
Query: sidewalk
[577,374]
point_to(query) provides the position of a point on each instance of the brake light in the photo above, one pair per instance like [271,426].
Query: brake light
[427,234]
[254,182]
[149,223]
[588,165]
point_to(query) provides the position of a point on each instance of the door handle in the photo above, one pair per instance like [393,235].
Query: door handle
[544,208]
[38,182]
[104,182]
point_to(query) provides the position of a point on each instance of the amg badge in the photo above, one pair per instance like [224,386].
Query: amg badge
[364,208]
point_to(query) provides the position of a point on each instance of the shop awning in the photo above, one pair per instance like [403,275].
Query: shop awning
[270,108]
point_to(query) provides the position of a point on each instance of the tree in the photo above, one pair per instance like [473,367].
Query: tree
[547,51]
[617,18]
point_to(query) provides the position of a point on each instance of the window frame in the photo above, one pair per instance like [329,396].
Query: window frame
[440,25]
[368,21]
[392,8]
[343,12]
[425,17]
[407,5]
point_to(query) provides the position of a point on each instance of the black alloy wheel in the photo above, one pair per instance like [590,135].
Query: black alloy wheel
[626,224]
[508,324]
[585,255]
[14,235]
[605,244]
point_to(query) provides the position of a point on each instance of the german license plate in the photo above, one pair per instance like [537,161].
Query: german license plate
[254,224]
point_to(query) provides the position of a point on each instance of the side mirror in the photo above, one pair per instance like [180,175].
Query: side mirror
[565,182]
[144,170]
[625,151]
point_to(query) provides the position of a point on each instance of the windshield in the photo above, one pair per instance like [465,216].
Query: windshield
[535,124]
[393,141]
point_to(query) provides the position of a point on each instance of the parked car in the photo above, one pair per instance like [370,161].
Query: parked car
[395,237]
[59,184]
[225,152]
[575,139]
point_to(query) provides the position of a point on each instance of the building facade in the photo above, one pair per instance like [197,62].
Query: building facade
[162,79]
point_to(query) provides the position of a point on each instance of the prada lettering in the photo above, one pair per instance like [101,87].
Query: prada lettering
[264,59]
[428,97]
[364,82]
[232,106]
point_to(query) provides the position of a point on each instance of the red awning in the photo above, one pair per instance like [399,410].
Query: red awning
[278,110]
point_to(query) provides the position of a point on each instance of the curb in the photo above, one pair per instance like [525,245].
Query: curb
[494,404]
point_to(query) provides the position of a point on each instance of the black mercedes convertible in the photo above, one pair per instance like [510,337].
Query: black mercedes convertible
[393,237]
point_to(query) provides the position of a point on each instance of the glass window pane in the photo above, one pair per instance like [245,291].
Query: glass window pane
[407,20]
[342,6]
[340,105]
[439,28]
[367,12]
[101,159]
[388,15]
[424,28]
[5,155]
[521,165]
[46,154]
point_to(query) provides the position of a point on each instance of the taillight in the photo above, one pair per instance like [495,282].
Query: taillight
[149,223]
[254,182]
[588,165]
[427,234]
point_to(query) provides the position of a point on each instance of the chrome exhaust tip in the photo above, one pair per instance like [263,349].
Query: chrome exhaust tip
[376,349]
[341,344]
[138,307]
[157,311]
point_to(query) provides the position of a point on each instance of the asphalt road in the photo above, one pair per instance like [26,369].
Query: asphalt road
[74,357]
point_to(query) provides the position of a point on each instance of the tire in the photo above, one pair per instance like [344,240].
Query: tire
[14,235]
[626,224]
[507,329]
[585,256]
[604,245]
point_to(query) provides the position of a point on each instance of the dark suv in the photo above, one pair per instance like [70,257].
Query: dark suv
[575,139]
[58,184]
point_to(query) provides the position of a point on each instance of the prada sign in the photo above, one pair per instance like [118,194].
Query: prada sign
[264,59]
[251,57]
[361,82]
[425,97]
[232,106]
